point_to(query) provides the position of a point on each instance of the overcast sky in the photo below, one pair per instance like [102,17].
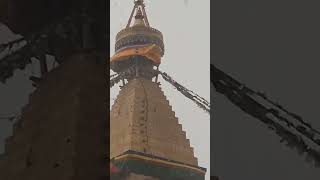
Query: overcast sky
[15,93]
[271,46]
[185,25]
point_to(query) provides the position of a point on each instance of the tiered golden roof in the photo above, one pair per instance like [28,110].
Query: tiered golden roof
[138,38]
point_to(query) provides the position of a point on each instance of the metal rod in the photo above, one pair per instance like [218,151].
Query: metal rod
[130,19]
[145,15]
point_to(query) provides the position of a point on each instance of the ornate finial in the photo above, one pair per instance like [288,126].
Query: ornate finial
[137,34]
[138,2]
[139,18]
[139,14]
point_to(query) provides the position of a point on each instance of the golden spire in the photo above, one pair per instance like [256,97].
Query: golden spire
[139,7]
[139,19]
[138,30]
[138,38]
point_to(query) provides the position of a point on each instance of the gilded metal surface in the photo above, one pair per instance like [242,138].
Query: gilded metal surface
[138,35]
[139,116]
[151,51]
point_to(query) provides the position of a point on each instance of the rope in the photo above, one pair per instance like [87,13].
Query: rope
[293,115]
[10,117]
[242,97]
[11,43]
[33,48]
[113,75]
[201,102]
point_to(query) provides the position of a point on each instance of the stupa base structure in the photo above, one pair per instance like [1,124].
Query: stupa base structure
[62,133]
[134,165]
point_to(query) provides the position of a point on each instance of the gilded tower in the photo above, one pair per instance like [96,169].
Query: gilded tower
[146,138]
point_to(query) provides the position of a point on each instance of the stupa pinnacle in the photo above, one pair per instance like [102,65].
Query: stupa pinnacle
[146,137]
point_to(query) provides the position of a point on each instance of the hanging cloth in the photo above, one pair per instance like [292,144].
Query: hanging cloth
[152,52]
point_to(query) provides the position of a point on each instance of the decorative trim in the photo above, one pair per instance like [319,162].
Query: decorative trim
[139,156]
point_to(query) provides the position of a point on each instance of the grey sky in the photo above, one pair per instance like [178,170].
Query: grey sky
[14,94]
[272,46]
[186,29]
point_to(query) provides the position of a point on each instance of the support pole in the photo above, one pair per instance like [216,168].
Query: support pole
[145,15]
[130,19]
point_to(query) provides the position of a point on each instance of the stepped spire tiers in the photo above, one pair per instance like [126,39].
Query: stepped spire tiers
[138,44]
[146,138]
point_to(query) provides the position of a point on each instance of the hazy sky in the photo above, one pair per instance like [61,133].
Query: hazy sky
[271,46]
[14,94]
[186,29]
